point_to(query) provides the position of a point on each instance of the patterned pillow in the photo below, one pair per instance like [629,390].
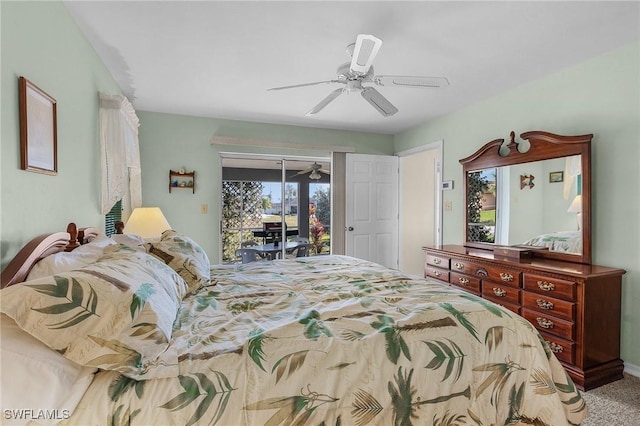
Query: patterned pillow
[185,257]
[115,314]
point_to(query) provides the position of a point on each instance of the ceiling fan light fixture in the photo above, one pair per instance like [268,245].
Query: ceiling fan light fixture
[315,175]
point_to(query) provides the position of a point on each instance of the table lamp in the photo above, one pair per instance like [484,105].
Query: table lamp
[576,207]
[147,222]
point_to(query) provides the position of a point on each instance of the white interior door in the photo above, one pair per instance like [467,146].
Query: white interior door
[372,208]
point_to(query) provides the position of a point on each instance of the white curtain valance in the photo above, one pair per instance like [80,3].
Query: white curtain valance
[120,153]
[572,169]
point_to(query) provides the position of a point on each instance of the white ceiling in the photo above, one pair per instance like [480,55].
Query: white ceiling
[218,58]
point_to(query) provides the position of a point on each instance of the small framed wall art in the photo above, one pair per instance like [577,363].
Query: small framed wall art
[38,129]
[555,177]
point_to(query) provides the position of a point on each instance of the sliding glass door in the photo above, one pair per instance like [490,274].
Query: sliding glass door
[271,200]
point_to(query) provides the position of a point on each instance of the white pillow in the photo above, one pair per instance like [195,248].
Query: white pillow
[129,240]
[68,261]
[37,383]
[97,245]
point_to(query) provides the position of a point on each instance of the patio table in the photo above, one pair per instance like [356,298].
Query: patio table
[271,250]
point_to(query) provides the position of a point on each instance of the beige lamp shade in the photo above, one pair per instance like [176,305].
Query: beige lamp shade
[147,222]
[576,205]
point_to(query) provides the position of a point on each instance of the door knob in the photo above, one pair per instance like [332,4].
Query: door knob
[350,228]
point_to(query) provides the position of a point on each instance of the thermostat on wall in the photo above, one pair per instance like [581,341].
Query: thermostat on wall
[447,185]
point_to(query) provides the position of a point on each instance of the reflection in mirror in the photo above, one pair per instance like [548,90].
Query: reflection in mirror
[546,215]
[481,206]
[543,217]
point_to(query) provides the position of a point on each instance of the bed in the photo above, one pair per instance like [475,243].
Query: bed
[150,333]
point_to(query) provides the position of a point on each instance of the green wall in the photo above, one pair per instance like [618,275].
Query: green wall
[41,42]
[600,96]
[170,142]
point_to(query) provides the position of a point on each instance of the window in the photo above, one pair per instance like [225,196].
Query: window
[114,215]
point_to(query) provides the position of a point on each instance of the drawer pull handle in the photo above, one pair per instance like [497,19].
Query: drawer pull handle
[437,261]
[555,348]
[546,286]
[458,265]
[506,277]
[463,281]
[500,292]
[437,273]
[544,304]
[544,323]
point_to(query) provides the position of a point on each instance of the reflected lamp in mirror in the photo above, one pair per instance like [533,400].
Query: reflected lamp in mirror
[576,207]
[147,222]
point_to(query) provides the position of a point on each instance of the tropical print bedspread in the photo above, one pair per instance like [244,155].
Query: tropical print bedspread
[565,241]
[332,340]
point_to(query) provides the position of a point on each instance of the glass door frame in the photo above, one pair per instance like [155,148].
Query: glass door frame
[283,159]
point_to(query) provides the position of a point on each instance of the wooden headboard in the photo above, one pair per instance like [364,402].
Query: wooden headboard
[42,246]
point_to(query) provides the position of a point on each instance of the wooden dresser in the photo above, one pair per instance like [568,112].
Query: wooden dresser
[575,307]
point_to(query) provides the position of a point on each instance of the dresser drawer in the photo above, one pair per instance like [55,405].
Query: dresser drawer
[549,324]
[562,349]
[464,267]
[437,273]
[551,287]
[437,261]
[500,293]
[494,273]
[543,303]
[469,283]
[504,276]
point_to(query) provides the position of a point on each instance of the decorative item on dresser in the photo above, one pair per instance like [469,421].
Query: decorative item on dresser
[183,180]
[574,305]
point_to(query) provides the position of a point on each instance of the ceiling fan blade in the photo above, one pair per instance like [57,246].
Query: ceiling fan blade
[326,172]
[379,102]
[323,103]
[410,81]
[364,53]
[301,172]
[304,85]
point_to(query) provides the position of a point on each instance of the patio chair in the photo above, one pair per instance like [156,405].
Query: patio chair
[248,255]
[253,243]
[301,251]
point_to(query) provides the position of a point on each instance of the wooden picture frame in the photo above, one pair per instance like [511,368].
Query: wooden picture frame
[556,177]
[38,129]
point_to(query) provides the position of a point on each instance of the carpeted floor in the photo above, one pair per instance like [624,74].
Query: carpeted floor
[615,404]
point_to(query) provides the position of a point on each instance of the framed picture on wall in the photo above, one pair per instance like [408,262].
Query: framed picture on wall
[38,129]
[555,177]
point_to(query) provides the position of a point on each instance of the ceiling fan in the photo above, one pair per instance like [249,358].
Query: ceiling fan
[360,70]
[315,170]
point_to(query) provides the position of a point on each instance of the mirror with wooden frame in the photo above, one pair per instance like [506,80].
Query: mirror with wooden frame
[533,192]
